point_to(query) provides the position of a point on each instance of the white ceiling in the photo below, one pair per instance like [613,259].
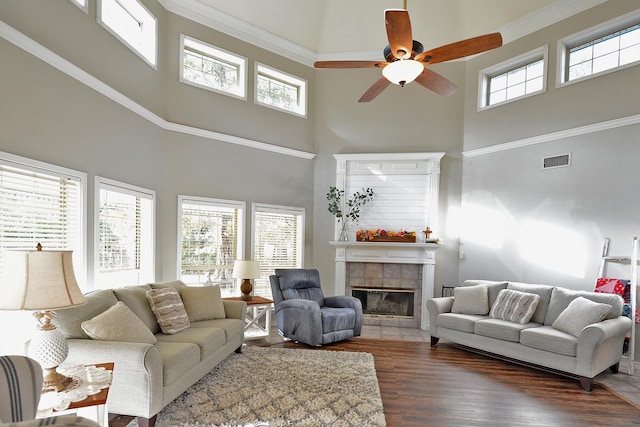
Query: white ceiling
[309,30]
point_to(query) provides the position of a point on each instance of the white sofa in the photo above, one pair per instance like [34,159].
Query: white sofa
[571,337]
[156,368]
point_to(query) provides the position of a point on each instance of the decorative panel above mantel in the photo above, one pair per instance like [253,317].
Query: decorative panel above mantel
[405,185]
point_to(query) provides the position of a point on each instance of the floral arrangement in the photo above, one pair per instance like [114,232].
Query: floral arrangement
[362,235]
[352,206]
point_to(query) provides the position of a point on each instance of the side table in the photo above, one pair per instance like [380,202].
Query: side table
[87,396]
[257,308]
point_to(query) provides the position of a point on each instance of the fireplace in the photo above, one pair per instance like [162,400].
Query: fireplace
[385,302]
[388,267]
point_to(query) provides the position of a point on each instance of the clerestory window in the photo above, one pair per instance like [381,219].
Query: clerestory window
[513,79]
[212,68]
[608,47]
[131,23]
[279,90]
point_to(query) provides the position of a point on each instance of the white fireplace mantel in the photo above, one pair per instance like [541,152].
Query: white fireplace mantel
[389,252]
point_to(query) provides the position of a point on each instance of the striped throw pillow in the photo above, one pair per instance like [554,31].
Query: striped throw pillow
[514,306]
[169,310]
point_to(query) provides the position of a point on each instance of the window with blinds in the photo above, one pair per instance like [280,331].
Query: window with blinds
[278,241]
[211,236]
[41,203]
[125,227]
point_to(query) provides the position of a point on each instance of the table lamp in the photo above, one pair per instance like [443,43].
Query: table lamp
[246,270]
[42,281]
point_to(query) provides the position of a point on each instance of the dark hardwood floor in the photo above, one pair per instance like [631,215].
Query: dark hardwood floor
[449,386]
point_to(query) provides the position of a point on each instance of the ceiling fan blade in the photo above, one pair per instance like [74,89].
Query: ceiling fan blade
[461,49]
[399,32]
[349,64]
[435,82]
[375,90]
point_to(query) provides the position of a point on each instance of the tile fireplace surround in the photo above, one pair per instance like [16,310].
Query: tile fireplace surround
[383,265]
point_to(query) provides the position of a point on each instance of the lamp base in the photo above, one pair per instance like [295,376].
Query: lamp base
[53,380]
[246,289]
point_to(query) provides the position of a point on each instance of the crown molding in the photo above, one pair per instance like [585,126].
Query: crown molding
[232,26]
[554,136]
[549,15]
[36,49]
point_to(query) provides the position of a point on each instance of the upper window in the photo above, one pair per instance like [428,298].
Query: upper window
[513,79]
[42,203]
[132,23]
[278,242]
[125,230]
[279,90]
[211,236]
[82,4]
[212,68]
[605,48]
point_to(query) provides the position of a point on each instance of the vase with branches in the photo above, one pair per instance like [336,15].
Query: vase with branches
[350,211]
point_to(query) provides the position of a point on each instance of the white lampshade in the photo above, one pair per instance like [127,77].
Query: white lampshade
[403,71]
[245,269]
[39,280]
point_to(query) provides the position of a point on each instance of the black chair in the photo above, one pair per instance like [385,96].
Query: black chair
[304,314]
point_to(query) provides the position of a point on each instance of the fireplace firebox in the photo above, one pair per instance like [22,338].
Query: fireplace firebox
[385,302]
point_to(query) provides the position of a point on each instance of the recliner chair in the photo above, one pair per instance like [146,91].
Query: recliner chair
[20,390]
[304,314]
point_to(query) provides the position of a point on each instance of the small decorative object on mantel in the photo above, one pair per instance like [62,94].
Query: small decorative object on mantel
[381,235]
[427,233]
[352,207]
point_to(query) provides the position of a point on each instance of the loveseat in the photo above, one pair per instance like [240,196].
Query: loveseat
[161,337]
[575,332]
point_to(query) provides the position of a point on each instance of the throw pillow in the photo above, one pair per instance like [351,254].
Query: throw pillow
[118,323]
[579,314]
[203,302]
[168,308]
[470,300]
[514,306]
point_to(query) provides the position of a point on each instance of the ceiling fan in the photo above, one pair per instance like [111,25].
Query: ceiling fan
[406,60]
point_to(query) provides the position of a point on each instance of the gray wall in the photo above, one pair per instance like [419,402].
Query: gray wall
[504,193]
[48,116]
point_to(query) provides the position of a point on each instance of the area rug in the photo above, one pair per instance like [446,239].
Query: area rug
[282,387]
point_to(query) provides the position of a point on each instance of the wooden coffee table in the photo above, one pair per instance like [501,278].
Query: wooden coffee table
[257,308]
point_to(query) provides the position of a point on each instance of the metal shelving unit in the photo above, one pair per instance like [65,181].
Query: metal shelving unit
[633,262]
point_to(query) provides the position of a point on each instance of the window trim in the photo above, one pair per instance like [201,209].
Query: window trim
[80,266]
[124,188]
[241,63]
[521,60]
[274,73]
[236,204]
[592,33]
[150,57]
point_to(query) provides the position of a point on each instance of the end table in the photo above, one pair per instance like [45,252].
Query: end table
[257,307]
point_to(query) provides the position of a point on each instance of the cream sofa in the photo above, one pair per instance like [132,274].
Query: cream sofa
[156,368]
[575,332]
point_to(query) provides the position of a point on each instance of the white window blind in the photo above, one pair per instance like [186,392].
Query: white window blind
[211,236]
[125,230]
[278,242]
[44,204]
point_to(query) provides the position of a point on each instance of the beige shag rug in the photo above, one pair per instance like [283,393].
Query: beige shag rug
[282,387]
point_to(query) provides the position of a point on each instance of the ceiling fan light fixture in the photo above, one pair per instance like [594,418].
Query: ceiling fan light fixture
[403,71]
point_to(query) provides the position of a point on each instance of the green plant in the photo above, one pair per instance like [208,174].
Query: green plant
[352,206]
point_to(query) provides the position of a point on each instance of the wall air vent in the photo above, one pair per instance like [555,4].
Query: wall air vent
[561,161]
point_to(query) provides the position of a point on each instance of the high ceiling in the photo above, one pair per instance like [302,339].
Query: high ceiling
[308,30]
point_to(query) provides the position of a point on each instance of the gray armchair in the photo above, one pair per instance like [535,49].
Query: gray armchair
[20,389]
[304,314]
